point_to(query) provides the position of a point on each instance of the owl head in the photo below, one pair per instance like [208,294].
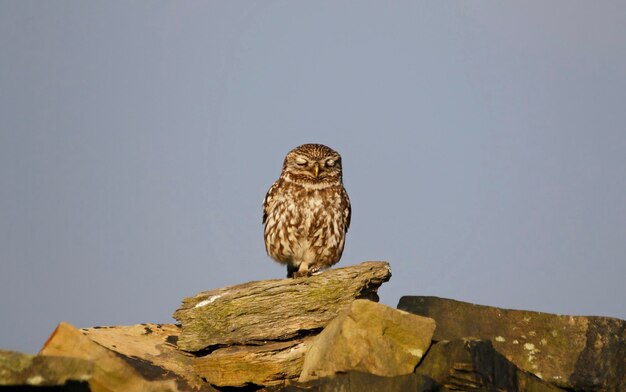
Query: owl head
[313,163]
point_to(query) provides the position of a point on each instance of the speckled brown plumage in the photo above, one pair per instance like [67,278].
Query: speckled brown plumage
[307,211]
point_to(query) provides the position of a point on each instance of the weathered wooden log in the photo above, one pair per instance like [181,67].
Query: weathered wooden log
[274,310]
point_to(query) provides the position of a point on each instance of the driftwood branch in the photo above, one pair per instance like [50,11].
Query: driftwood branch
[274,310]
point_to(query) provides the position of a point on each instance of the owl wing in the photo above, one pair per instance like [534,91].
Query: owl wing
[267,200]
[347,210]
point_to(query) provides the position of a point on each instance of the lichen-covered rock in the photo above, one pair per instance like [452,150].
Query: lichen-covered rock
[573,352]
[151,350]
[359,382]
[267,364]
[474,365]
[369,337]
[279,309]
[113,371]
[36,371]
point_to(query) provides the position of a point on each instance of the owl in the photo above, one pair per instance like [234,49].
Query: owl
[307,211]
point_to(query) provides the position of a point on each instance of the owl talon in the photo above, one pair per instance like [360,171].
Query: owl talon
[301,274]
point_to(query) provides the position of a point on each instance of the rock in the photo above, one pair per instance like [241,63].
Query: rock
[322,334]
[369,337]
[151,350]
[278,310]
[114,371]
[358,382]
[573,352]
[474,365]
[64,373]
[269,364]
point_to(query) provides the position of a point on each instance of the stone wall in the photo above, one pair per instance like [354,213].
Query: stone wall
[328,333]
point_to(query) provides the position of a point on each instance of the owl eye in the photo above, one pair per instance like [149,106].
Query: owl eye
[301,161]
[330,162]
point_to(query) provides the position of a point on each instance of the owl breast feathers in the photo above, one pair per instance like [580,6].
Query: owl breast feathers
[306,212]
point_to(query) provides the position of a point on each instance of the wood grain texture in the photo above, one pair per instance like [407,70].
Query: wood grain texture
[274,310]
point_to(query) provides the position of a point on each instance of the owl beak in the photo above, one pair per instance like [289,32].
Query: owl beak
[316,170]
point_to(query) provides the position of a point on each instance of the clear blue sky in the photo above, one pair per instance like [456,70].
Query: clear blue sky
[484,148]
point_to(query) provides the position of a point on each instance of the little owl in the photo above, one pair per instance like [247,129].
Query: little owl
[307,211]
